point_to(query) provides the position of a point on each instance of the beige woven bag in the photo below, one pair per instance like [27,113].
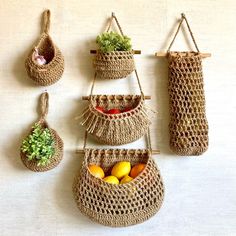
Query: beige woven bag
[57,157]
[116,129]
[188,123]
[51,72]
[114,65]
[123,204]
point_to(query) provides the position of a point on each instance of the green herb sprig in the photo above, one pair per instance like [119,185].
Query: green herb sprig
[39,145]
[111,41]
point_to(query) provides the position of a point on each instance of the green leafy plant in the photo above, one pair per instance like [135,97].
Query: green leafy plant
[111,41]
[39,145]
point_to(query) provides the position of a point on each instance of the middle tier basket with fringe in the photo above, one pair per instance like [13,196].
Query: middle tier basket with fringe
[116,129]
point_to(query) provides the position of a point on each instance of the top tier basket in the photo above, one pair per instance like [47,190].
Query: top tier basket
[188,124]
[116,64]
[51,72]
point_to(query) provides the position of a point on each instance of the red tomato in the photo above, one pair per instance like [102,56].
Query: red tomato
[113,111]
[101,109]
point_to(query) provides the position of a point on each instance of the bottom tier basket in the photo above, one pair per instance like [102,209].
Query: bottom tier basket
[54,161]
[123,204]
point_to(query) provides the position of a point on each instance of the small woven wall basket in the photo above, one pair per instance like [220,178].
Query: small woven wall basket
[51,72]
[123,204]
[116,129]
[188,124]
[58,155]
[114,65]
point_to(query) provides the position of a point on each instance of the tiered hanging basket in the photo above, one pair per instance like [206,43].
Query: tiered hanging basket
[51,72]
[188,124]
[58,143]
[116,64]
[116,129]
[123,204]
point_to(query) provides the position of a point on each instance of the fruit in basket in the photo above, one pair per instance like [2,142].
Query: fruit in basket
[126,179]
[137,169]
[113,111]
[101,109]
[120,169]
[111,179]
[97,171]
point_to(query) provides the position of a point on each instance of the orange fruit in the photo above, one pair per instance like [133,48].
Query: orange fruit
[120,169]
[137,169]
[126,179]
[111,179]
[97,171]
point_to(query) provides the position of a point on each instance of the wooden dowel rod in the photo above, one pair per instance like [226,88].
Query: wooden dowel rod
[164,54]
[119,98]
[135,51]
[154,151]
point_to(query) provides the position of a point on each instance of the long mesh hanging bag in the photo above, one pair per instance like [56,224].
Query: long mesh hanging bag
[119,205]
[31,160]
[45,62]
[188,124]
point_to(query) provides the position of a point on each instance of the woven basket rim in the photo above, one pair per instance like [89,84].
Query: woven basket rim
[120,115]
[42,37]
[146,152]
[115,52]
[183,54]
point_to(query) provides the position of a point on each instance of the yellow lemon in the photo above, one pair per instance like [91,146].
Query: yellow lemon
[111,179]
[97,171]
[120,169]
[126,179]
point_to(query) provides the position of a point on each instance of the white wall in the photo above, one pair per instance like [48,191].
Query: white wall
[200,192]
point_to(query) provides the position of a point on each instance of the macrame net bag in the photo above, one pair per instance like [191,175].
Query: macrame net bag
[116,64]
[52,71]
[118,205]
[116,129]
[58,143]
[188,124]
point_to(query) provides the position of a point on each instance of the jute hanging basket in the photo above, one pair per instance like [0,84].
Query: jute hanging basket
[188,124]
[123,204]
[58,143]
[52,71]
[116,64]
[116,129]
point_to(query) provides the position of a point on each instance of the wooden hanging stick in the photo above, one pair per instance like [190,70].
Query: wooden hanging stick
[164,54]
[81,151]
[119,98]
[135,51]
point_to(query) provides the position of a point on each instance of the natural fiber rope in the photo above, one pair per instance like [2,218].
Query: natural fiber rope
[44,99]
[137,77]
[117,22]
[58,145]
[46,21]
[183,17]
